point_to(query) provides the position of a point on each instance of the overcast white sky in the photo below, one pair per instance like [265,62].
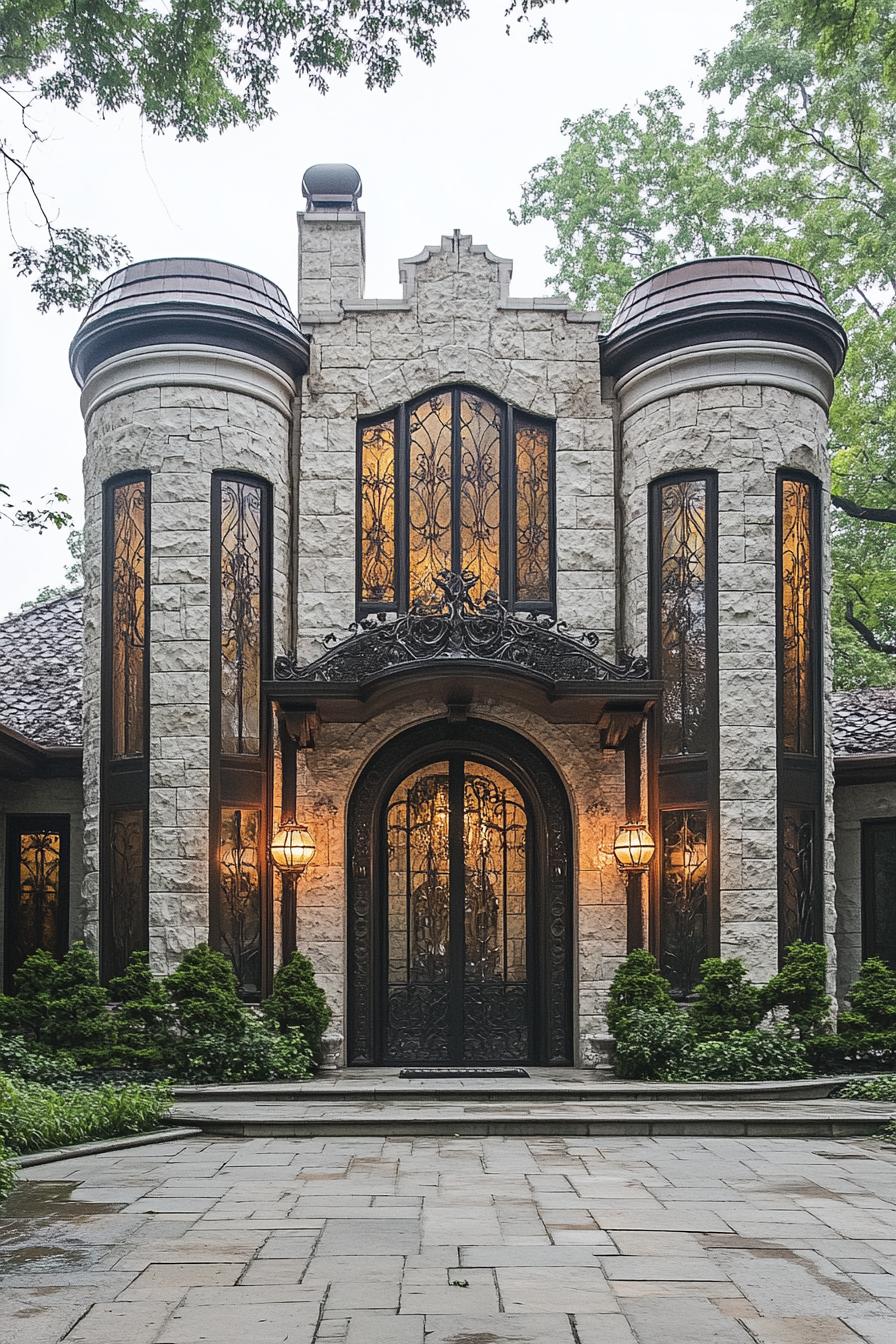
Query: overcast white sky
[447,147]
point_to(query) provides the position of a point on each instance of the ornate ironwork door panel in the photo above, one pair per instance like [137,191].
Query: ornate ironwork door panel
[456,917]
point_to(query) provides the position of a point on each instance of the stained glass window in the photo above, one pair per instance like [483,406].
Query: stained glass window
[533,512]
[378,578]
[127,917]
[682,615]
[440,486]
[429,493]
[798,904]
[128,619]
[241,562]
[37,910]
[683,896]
[239,899]
[795,606]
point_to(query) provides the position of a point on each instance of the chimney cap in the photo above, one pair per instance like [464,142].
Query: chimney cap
[331,186]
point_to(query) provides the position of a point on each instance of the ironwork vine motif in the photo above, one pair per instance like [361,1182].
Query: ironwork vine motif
[128,902]
[796,617]
[683,616]
[454,626]
[378,512]
[240,560]
[683,903]
[128,625]
[799,904]
[38,887]
[497,985]
[533,514]
[240,894]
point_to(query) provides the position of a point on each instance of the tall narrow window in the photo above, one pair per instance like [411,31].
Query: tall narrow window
[800,868]
[684,646]
[238,918]
[36,888]
[879,889]
[455,481]
[124,901]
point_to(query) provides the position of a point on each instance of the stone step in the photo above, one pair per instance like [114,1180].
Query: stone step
[793,1118]
[388,1088]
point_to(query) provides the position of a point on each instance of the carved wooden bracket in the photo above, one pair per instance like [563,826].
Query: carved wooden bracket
[614,725]
[301,725]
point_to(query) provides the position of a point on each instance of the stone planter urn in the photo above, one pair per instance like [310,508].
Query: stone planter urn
[330,1051]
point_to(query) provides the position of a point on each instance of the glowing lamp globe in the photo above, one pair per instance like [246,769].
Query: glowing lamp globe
[292,848]
[633,847]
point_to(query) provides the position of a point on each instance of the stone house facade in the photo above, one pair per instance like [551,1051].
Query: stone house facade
[454,587]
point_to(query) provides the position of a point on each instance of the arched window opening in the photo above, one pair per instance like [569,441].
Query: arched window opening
[455,480]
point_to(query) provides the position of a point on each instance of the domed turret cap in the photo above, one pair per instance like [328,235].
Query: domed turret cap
[189,301]
[331,186]
[722,299]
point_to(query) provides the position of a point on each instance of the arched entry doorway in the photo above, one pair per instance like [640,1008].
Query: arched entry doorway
[460,910]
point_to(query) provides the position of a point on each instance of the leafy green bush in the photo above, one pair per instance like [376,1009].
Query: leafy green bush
[33,1117]
[637,986]
[853,1052]
[62,1005]
[297,1000]
[35,1064]
[871,1089]
[652,1043]
[203,991]
[143,1018]
[799,987]
[724,1000]
[259,1054]
[7,1172]
[744,1056]
[872,998]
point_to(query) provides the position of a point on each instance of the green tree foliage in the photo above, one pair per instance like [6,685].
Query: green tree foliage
[795,157]
[62,1005]
[297,1000]
[637,986]
[192,67]
[873,998]
[724,1000]
[203,991]
[799,987]
[143,1015]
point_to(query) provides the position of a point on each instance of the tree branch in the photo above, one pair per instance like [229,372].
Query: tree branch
[866,634]
[866,512]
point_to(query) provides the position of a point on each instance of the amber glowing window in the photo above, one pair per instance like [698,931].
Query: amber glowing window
[458,481]
[377,522]
[684,873]
[239,895]
[533,512]
[37,888]
[241,575]
[128,619]
[795,601]
[682,595]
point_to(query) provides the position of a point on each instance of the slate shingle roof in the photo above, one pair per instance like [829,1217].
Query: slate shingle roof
[864,721]
[41,664]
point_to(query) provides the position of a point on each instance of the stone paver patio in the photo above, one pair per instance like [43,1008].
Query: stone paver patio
[456,1241]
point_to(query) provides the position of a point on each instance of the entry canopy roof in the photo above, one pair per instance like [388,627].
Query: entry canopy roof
[452,648]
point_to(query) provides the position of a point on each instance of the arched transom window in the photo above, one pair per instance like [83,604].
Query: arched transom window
[455,480]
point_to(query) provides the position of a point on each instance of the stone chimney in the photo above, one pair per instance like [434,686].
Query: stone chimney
[331,238]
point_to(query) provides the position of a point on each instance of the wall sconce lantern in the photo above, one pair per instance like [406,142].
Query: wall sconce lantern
[633,847]
[292,848]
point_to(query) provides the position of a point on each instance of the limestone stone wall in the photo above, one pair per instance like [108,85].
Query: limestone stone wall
[745,433]
[180,434]
[456,323]
[853,804]
[594,781]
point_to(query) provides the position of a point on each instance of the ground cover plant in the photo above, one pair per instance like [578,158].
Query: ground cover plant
[34,1117]
[871,1089]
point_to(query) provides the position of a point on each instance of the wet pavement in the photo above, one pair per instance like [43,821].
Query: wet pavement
[367,1240]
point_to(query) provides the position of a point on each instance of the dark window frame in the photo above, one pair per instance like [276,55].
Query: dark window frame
[511,417]
[17,825]
[800,775]
[868,904]
[685,782]
[241,781]
[124,781]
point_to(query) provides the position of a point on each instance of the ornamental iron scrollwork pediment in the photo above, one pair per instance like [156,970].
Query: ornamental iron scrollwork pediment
[451,626]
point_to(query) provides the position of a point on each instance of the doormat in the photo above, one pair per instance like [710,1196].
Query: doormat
[463,1073]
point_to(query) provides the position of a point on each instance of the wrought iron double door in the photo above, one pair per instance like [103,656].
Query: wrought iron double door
[457,937]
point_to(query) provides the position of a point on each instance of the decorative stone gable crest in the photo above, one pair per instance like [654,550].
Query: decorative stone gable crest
[449,625]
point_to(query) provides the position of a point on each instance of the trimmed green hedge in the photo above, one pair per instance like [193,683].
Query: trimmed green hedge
[34,1117]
